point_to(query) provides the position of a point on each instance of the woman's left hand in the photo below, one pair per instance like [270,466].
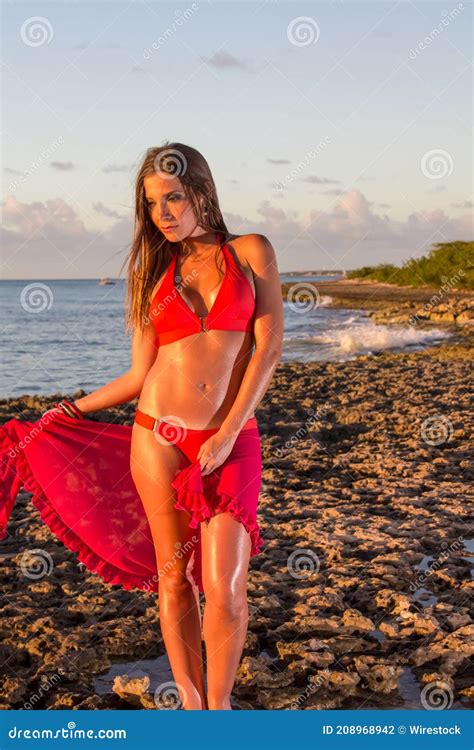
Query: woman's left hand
[214,451]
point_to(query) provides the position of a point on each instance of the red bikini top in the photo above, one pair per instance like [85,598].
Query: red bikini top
[233,308]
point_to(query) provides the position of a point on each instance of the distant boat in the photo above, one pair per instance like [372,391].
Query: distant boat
[106,280]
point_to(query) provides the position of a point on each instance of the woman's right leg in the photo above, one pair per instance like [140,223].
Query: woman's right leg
[153,466]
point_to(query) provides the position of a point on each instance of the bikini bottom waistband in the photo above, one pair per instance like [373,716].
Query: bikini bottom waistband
[151,423]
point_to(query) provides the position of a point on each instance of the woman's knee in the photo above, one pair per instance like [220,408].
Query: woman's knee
[228,600]
[174,583]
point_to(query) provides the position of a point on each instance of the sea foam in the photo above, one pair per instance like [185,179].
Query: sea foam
[367,338]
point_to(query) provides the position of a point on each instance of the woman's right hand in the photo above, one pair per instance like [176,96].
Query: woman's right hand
[53,410]
[68,409]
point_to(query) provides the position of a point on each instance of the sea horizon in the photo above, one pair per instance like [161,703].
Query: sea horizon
[69,334]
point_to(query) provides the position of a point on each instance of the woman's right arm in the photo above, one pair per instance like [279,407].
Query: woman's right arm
[129,385]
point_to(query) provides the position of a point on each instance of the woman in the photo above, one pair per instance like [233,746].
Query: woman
[195,446]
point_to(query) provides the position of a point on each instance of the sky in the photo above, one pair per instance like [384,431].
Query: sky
[340,130]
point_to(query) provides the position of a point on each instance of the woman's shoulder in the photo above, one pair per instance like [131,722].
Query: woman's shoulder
[249,248]
[253,238]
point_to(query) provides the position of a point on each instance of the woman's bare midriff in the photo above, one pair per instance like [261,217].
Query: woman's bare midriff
[196,379]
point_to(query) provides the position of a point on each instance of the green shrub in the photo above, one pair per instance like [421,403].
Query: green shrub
[449,263]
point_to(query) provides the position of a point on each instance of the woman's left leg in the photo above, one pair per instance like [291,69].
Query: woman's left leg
[228,539]
[225,558]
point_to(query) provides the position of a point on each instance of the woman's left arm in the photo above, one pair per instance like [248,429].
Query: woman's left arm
[268,332]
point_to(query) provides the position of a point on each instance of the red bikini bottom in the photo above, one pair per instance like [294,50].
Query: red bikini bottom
[231,488]
[78,472]
[189,441]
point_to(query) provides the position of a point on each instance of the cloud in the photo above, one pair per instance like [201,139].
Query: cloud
[464,205]
[105,211]
[64,166]
[315,180]
[116,168]
[223,59]
[348,233]
[27,219]
[49,240]
[279,161]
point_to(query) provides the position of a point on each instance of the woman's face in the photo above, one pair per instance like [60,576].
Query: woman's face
[169,208]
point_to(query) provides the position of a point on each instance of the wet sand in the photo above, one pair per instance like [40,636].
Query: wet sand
[361,597]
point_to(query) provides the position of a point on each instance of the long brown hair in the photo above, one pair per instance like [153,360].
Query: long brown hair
[150,251]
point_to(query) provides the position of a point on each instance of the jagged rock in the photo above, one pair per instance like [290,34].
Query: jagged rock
[134,691]
[13,689]
[340,681]
[66,699]
[428,677]
[291,649]
[254,672]
[389,629]
[458,620]
[356,621]
[272,700]
[125,686]
[380,677]
[465,318]
[452,650]
[322,625]
[462,640]
[320,659]
[373,489]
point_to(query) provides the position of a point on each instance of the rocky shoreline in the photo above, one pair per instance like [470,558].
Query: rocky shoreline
[360,598]
[389,303]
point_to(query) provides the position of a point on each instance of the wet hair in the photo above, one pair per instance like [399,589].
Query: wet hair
[150,251]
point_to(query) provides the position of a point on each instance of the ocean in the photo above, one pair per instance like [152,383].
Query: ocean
[61,335]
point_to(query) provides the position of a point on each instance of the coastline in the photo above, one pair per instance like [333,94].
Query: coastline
[389,303]
[366,478]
